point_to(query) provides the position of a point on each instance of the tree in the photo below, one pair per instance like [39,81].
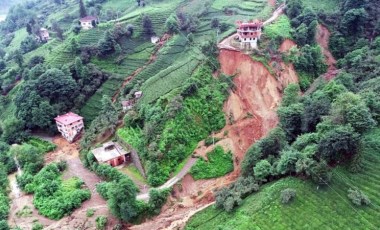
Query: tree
[262,170]
[29,28]
[122,199]
[82,9]
[19,59]
[28,44]
[171,24]
[291,120]
[106,45]
[316,107]
[294,8]
[349,108]
[291,95]
[147,26]
[13,130]
[338,144]
[353,21]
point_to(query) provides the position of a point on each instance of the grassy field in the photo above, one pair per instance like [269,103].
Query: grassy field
[279,29]
[313,208]
[219,164]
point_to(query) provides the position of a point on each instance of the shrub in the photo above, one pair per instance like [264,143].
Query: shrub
[102,188]
[157,198]
[287,195]
[219,164]
[90,212]
[101,222]
[229,197]
[211,140]
[4,225]
[37,226]
[357,197]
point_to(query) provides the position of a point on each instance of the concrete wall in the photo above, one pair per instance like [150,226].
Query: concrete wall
[135,157]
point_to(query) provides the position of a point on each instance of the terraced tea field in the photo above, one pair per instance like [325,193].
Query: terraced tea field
[313,208]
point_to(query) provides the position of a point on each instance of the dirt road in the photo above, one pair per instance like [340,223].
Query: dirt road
[172,181]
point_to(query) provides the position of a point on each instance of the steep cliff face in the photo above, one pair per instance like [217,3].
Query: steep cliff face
[254,101]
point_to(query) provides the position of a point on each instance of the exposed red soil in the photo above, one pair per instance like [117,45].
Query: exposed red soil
[322,37]
[251,108]
[272,2]
[287,45]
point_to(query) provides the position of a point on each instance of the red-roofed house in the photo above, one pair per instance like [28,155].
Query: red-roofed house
[69,125]
[88,22]
[249,33]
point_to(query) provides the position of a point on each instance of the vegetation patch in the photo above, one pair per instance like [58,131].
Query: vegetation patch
[54,197]
[219,164]
[280,29]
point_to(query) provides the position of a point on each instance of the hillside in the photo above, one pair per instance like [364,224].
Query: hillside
[313,208]
[139,114]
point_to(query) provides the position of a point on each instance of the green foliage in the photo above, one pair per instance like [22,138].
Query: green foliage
[280,29]
[230,197]
[122,199]
[37,226]
[219,164]
[287,195]
[291,120]
[157,198]
[30,158]
[42,145]
[311,61]
[357,197]
[53,197]
[101,222]
[90,212]
[262,170]
[339,143]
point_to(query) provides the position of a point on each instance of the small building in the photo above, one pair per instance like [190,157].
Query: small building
[127,105]
[88,22]
[69,125]
[44,35]
[111,153]
[138,94]
[154,39]
[249,33]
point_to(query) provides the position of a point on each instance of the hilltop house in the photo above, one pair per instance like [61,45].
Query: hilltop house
[249,33]
[128,104]
[44,35]
[69,125]
[111,153]
[88,22]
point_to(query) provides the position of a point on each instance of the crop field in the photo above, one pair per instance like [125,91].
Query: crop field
[313,208]
[129,64]
[19,36]
[42,145]
[323,5]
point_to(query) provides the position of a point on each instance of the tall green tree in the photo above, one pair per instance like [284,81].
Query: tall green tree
[122,199]
[82,9]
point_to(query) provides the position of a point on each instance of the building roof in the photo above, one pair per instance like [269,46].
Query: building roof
[43,30]
[88,19]
[104,153]
[68,118]
[249,23]
[126,103]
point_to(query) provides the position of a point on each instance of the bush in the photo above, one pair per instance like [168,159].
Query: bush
[90,212]
[157,198]
[37,226]
[287,195]
[4,225]
[101,222]
[219,164]
[211,140]
[229,197]
[102,188]
[357,197]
